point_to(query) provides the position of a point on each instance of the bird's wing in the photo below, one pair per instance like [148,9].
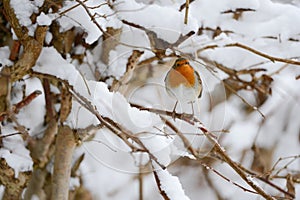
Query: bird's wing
[200,83]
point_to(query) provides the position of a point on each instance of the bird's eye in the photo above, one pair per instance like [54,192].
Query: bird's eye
[186,63]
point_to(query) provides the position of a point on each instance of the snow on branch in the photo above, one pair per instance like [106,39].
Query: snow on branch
[169,186]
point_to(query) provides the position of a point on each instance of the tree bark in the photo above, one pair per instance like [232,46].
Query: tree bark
[65,145]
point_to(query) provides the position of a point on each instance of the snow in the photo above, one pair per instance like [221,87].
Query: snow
[24,9]
[35,197]
[51,62]
[109,104]
[4,54]
[250,178]
[271,28]
[34,111]
[79,18]
[171,185]
[163,26]
[15,153]
[44,20]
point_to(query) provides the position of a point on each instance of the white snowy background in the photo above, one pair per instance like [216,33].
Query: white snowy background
[111,173]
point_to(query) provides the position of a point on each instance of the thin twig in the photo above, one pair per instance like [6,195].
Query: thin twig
[267,181]
[9,135]
[244,100]
[116,128]
[141,181]
[211,184]
[27,100]
[293,158]
[104,32]
[229,87]
[162,192]
[219,149]
[239,45]
[227,179]
[187,5]
[184,5]
[91,16]
[272,58]
[71,8]
[185,141]
[189,147]
[17,107]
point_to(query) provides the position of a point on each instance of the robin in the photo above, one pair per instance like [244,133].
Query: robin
[183,82]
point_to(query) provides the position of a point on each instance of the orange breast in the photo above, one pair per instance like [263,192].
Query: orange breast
[182,75]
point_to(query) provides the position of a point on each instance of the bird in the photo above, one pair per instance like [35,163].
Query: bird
[183,82]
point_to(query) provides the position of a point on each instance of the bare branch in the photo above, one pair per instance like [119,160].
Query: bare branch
[184,5]
[239,45]
[117,129]
[91,16]
[266,180]
[227,179]
[65,145]
[158,45]
[219,149]
[17,107]
[187,6]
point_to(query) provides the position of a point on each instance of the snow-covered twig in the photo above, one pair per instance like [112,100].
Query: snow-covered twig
[113,126]
[189,147]
[219,149]
[169,186]
[14,187]
[163,193]
[32,46]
